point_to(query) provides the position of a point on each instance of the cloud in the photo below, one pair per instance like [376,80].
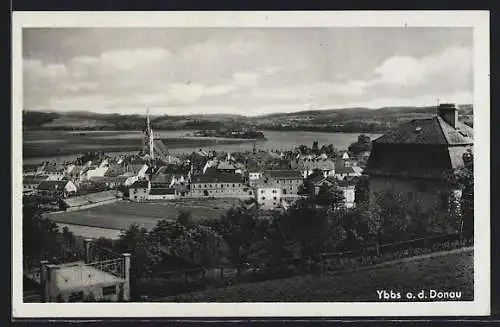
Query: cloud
[454,63]
[246,76]
[37,69]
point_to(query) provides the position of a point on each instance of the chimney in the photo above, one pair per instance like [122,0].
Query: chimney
[449,113]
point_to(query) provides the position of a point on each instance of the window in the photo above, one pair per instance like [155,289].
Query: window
[263,198]
[274,191]
[109,290]
[274,198]
[262,191]
[76,297]
[234,185]
[274,203]
[221,185]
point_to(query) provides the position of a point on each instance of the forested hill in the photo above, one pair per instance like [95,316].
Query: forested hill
[334,120]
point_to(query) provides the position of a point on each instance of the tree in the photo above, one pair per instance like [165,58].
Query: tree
[463,179]
[363,144]
[41,237]
[362,190]
[238,228]
[185,219]
[315,147]
[135,241]
[330,195]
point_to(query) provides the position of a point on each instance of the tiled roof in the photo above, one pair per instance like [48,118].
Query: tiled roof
[34,179]
[425,148]
[162,191]
[174,169]
[114,170]
[52,185]
[345,170]
[428,131]
[217,178]
[321,164]
[224,165]
[284,174]
[140,184]
[162,178]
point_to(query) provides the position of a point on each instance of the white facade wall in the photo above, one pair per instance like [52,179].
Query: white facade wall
[268,197]
[162,197]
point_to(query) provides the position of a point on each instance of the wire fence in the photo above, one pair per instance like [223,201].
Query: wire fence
[183,280]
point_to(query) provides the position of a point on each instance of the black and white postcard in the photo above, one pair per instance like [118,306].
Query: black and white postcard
[238,164]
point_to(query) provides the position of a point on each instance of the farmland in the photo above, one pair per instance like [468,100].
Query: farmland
[122,214]
[447,271]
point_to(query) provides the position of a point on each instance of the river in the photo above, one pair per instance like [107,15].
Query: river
[275,140]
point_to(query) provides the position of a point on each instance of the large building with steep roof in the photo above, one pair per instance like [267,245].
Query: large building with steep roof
[417,158]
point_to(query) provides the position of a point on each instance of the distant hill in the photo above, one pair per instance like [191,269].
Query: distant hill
[333,120]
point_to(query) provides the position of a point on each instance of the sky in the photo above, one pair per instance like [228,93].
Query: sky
[247,71]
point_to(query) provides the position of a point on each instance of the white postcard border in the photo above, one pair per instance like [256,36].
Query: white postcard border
[479,20]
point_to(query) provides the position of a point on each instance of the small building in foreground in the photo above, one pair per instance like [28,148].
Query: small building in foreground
[85,281]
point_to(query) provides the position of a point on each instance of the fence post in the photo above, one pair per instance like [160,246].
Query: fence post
[86,244]
[126,284]
[43,281]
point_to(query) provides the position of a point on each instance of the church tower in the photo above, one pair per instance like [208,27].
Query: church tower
[148,138]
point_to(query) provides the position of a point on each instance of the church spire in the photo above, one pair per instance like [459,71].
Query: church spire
[148,137]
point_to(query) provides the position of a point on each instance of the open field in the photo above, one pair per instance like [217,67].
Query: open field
[122,214]
[445,271]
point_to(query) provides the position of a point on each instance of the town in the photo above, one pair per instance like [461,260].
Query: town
[155,226]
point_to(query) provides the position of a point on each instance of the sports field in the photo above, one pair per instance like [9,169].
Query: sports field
[122,214]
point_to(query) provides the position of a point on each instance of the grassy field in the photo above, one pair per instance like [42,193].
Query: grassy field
[452,271]
[122,214]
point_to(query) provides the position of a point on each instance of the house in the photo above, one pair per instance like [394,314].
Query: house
[308,165]
[218,184]
[114,170]
[56,188]
[137,169]
[162,193]
[30,183]
[288,180]
[348,191]
[96,170]
[91,200]
[268,195]
[254,175]
[343,172]
[74,173]
[54,172]
[226,167]
[110,182]
[139,191]
[31,169]
[415,159]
